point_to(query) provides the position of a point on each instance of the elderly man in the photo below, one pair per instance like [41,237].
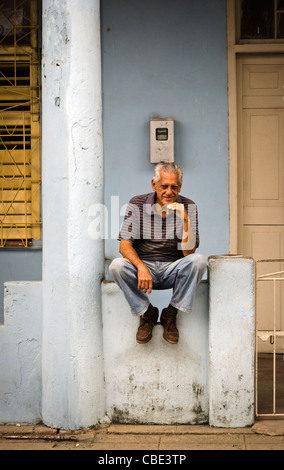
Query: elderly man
[158,242]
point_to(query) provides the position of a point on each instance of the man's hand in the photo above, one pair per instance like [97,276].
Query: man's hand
[145,281]
[179,210]
[188,243]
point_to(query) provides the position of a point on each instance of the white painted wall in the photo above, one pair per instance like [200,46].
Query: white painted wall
[207,377]
[20,353]
[157,382]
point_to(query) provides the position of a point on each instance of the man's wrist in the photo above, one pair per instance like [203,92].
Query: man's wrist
[140,264]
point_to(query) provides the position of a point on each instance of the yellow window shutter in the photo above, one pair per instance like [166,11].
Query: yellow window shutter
[20,219]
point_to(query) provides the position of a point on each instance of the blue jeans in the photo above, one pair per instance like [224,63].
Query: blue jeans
[182,276]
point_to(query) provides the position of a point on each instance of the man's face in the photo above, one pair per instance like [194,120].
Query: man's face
[167,188]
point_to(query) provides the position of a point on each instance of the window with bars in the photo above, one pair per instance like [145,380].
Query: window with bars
[262,19]
[20,220]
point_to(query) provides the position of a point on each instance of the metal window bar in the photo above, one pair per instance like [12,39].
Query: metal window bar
[20,180]
[274,277]
[274,9]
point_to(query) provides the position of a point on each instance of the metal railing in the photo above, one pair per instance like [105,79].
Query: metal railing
[269,334]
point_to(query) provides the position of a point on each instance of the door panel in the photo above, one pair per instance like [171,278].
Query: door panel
[263,76]
[261,178]
[263,160]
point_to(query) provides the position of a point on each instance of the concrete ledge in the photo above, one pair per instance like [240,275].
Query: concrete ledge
[208,377]
[20,354]
[157,382]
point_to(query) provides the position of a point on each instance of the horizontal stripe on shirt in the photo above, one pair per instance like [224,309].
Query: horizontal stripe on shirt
[155,238]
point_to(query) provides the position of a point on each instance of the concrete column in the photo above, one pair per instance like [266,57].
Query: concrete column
[231,341]
[73,262]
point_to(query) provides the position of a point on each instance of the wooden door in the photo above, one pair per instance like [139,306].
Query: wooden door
[261,179]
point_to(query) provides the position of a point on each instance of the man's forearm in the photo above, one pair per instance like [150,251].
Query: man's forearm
[145,281]
[127,251]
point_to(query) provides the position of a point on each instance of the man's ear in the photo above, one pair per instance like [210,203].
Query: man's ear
[153,185]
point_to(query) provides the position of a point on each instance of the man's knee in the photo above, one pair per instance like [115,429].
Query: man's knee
[116,266]
[201,261]
[197,261]
[121,268]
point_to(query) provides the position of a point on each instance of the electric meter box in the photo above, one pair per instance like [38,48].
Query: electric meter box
[162,140]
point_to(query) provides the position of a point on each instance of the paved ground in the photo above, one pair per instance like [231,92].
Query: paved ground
[264,435]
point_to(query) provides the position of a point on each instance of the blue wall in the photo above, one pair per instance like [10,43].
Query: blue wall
[167,58]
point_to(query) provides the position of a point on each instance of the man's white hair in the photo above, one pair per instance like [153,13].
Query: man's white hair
[170,168]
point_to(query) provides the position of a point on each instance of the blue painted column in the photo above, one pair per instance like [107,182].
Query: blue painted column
[231,341]
[72,168]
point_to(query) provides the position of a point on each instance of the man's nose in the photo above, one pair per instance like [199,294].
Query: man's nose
[169,190]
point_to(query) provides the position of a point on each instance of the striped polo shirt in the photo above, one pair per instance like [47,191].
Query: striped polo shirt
[156,238]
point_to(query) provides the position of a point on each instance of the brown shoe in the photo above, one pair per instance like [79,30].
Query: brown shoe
[147,323]
[171,333]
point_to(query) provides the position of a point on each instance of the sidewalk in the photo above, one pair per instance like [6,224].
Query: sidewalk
[264,435]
